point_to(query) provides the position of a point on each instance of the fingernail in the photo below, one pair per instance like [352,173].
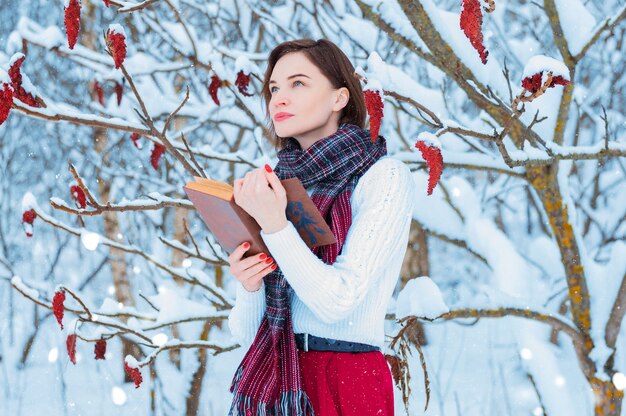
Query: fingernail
[274,266]
[263,256]
[246,245]
[268,168]
[269,260]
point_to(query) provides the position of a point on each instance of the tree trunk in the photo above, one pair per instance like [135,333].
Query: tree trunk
[193,398]
[123,291]
[608,398]
[544,181]
[416,264]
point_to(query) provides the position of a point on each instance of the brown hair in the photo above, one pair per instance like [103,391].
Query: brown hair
[335,66]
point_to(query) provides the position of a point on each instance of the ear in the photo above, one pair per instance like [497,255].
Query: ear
[343,96]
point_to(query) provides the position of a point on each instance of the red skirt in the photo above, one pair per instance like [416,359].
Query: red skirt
[346,383]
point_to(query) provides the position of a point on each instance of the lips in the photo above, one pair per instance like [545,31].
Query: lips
[282,116]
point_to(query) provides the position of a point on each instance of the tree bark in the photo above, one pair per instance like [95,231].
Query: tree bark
[119,272]
[416,264]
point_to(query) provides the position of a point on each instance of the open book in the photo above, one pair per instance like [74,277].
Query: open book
[231,225]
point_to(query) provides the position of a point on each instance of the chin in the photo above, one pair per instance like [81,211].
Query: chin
[287,131]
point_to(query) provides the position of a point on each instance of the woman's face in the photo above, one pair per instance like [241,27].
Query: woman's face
[298,88]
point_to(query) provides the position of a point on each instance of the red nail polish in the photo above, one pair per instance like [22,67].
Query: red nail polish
[246,245]
[268,168]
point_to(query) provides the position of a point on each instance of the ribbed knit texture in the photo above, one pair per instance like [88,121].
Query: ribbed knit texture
[348,299]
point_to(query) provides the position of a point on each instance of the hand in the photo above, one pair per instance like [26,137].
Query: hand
[251,270]
[261,195]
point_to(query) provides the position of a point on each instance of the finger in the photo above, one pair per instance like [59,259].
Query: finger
[254,179]
[237,187]
[247,182]
[238,252]
[274,181]
[245,273]
[250,261]
[262,182]
[256,272]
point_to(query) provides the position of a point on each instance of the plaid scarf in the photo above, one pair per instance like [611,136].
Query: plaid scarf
[268,380]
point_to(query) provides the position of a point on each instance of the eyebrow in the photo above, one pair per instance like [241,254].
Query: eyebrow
[292,76]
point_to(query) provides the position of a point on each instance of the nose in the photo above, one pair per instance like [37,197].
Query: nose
[279,99]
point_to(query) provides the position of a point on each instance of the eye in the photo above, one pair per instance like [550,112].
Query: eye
[272,88]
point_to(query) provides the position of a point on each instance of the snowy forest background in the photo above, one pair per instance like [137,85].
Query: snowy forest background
[514,281]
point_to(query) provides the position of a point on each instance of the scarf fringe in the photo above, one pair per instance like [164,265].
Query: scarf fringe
[291,403]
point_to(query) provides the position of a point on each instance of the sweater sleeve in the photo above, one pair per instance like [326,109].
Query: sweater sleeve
[381,220]
[245,317]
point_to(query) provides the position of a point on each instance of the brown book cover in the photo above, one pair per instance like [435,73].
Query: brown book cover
[232,225]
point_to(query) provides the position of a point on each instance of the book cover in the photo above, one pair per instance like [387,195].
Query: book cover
[232,225]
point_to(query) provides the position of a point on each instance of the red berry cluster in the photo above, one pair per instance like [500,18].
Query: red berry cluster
[135,138]
[533,83]
[79,195]
[434,160]
[374,105]
[242,83]
[6,101]
[215,84]
[471,23]
[19,92]
[119,90]
[134,374]
[99,92]
[57,306]
[27,221]
[70,343]
[117,43]
[72,21]
[100,349]
[157,151]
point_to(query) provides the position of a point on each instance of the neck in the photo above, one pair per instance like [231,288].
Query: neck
[307,139]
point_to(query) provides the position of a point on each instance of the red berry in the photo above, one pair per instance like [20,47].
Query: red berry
[157,151]
[79,195]
[135,138]
[134,373]
[70,343]
[533,83]
[116,40]
[374,104]
[434,160]
[471,23]
[6,101]
[242,83]
[57,306]
[100,349]
[15,73]
[29,216]
[213,87]
[99,92]
[72,21]
[119,89]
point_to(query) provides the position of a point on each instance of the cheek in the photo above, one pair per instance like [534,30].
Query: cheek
[318,103]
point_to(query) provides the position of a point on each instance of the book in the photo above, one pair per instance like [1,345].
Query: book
[232,225]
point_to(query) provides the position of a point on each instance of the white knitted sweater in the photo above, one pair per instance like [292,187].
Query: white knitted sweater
[348,299]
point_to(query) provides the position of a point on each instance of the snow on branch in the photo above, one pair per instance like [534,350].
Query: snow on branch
[219,297]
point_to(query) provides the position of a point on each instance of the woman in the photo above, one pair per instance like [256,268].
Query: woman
[315,319]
